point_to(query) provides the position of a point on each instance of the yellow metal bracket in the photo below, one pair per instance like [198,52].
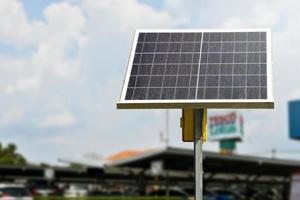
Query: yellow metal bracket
[187,124]
[204,125]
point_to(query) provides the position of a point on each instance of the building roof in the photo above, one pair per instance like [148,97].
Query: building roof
[127,154]
[183,160]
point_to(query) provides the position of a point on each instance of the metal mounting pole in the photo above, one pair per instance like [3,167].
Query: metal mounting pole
[167,128]
[198,117]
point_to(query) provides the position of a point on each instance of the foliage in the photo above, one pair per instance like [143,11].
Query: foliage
[9,155]
[76,166]
[44,165]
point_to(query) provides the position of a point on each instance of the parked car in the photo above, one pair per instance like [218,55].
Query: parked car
[219,194]
[43,190]
[76,190]
[14,192]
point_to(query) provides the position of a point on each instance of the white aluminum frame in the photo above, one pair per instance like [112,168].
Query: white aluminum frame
[198,103]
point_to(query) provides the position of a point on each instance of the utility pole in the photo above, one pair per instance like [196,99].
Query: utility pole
[167,128]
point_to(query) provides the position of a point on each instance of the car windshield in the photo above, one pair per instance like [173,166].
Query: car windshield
[15,191]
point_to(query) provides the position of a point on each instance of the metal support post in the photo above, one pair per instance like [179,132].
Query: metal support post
[198,140]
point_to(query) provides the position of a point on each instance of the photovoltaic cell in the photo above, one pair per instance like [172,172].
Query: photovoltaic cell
[199,65]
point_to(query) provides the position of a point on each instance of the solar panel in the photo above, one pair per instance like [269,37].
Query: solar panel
[199,68]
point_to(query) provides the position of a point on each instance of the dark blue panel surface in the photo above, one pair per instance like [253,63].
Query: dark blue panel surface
[294,119]
[196,65]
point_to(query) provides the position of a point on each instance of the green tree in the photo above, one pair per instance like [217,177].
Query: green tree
[76,166]
[45,165]
[9,155]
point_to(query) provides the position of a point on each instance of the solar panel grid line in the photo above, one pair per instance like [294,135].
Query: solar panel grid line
[253,74]
[143,87]
[216,63]
[218,52]
[246,89]
[204,87]
[262,48]
[161,92]
[219,67]
[165,68]
[219,70]
[147,91]
[177,65]
[184,42]
[138,68]
[183,76]
[259,83]
[198,64]
[206,66]
[240,78]
[137,71]
[164,64]
[226,92]
[199,67]
[130,63]
[194,46]
[231,96]
[259,90]
[254,57]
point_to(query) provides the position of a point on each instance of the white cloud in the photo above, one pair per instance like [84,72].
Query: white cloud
[11,116]
[267,127]
[15,27]
[63,31]
[70,55]
[63,119]
[126,16]
[55,104]
[84,47]
[262,15]
[23,85]
[52,43]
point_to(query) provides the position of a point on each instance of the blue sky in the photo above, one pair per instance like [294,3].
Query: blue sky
[34,9]
[62,64]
